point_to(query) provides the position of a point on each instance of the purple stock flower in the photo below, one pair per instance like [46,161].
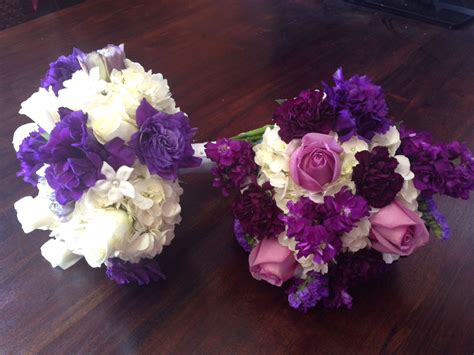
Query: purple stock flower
[234,164]
[304,294]
[74,156]
[359,106]
[306,113]
[444,169]
[143,272]
[344,210]
[240,236]
[257,212]
[375,177]
[30,157]
[61,70]
[163,141]
[305,222]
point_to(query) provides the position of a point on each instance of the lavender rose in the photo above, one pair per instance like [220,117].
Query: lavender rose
[163,141]
[272,262]
[316,161]
[397,230]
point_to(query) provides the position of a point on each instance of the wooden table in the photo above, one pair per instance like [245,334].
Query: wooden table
[226,62]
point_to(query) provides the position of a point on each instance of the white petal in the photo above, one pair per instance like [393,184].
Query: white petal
[124,172]
[114,195]
[390,258]
[22,132]
[34,213]
[108,171]
[127,189]
[42,108]
[57,253]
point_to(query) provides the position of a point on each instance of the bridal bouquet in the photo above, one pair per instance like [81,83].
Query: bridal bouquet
[334,191]
[104,150]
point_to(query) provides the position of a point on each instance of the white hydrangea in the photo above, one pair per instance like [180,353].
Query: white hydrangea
[272,157]
[133,84]
[390,139]
[358,237]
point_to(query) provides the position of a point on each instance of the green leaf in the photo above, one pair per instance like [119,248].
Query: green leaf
[280,101]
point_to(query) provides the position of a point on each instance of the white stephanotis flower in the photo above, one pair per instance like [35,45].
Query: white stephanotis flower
[358,237]
[307,263]
[272,157]
[115,186]
[390,139]
[42,109]
[134,84]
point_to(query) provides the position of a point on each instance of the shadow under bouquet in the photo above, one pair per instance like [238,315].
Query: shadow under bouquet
[104,150]
[333,191]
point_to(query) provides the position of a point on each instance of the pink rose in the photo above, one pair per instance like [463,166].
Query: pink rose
[316,161]
[397,230]
[272,262]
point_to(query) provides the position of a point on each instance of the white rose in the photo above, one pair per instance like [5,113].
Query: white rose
[109,120]
[58,254]
[106,232]
[42,108]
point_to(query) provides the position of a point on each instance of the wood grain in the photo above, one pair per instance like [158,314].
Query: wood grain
[226,62]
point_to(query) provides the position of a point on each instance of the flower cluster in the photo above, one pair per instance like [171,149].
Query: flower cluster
[338,191]
[234,164]
[104,150]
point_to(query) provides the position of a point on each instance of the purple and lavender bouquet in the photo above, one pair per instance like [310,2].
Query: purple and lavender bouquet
[333,191]
[104,150]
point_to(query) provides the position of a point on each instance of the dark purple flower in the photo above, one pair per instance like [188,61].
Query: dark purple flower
[375,177]
[344,210]
[143,272]
[30,157]
[349,270]
[306,113]
[163,141]
[74,155]
[304,294]
[61,70]
[359,106]
[241,237]
[305,222]
[257,212]
[235,164]
[118,153]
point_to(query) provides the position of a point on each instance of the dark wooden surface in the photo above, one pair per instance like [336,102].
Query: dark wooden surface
[226,62]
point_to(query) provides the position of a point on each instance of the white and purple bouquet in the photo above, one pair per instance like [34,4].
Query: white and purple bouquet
[104,150]
[334,191]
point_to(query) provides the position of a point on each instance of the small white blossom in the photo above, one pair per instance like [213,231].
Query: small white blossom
[115,185]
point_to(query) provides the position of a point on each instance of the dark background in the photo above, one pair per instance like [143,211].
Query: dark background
[226,62]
